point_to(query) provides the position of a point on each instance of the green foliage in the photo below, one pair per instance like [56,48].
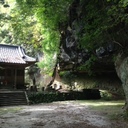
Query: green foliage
[41,97]
[41,20]
[26,30]
[49,14]
[105,95]
[5,30]
[37,25]
[103,23]
[88,65]
[48,63]
[67,75]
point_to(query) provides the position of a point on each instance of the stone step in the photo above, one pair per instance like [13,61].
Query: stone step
[9,98]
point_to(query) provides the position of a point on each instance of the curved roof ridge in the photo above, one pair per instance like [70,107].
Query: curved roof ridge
[14,54]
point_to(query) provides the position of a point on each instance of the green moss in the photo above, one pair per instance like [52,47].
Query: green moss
[5,110]
[112,109]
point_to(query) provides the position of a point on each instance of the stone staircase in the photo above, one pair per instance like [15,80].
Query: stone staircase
[13,98]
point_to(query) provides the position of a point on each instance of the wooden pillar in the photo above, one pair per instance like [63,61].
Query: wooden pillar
[15,78]
[23,77]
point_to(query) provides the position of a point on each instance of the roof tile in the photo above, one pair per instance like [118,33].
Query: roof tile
[14,54]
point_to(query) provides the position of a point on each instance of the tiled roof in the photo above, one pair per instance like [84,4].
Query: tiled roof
[14,54]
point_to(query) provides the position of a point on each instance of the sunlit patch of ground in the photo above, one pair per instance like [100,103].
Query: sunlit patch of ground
[112,109]
[64,114]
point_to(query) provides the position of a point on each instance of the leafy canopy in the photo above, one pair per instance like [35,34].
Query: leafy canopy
[104,21]
[48,16]
[38,24]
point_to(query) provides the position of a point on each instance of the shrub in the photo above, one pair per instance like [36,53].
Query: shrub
[41,97]
[105,95]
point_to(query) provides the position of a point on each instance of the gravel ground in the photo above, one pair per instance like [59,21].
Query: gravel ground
[66,114]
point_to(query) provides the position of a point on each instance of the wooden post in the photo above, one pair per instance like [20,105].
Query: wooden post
[15,79]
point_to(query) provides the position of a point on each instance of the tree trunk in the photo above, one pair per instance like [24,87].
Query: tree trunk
[121,65]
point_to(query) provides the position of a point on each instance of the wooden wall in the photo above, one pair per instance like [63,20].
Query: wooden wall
[12,77]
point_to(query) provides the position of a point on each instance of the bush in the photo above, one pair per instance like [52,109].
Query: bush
[105,95]
[41,97]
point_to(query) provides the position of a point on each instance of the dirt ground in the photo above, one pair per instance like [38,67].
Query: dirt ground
[66,114]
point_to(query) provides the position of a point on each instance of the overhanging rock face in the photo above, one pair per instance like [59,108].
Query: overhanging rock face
[72,55]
